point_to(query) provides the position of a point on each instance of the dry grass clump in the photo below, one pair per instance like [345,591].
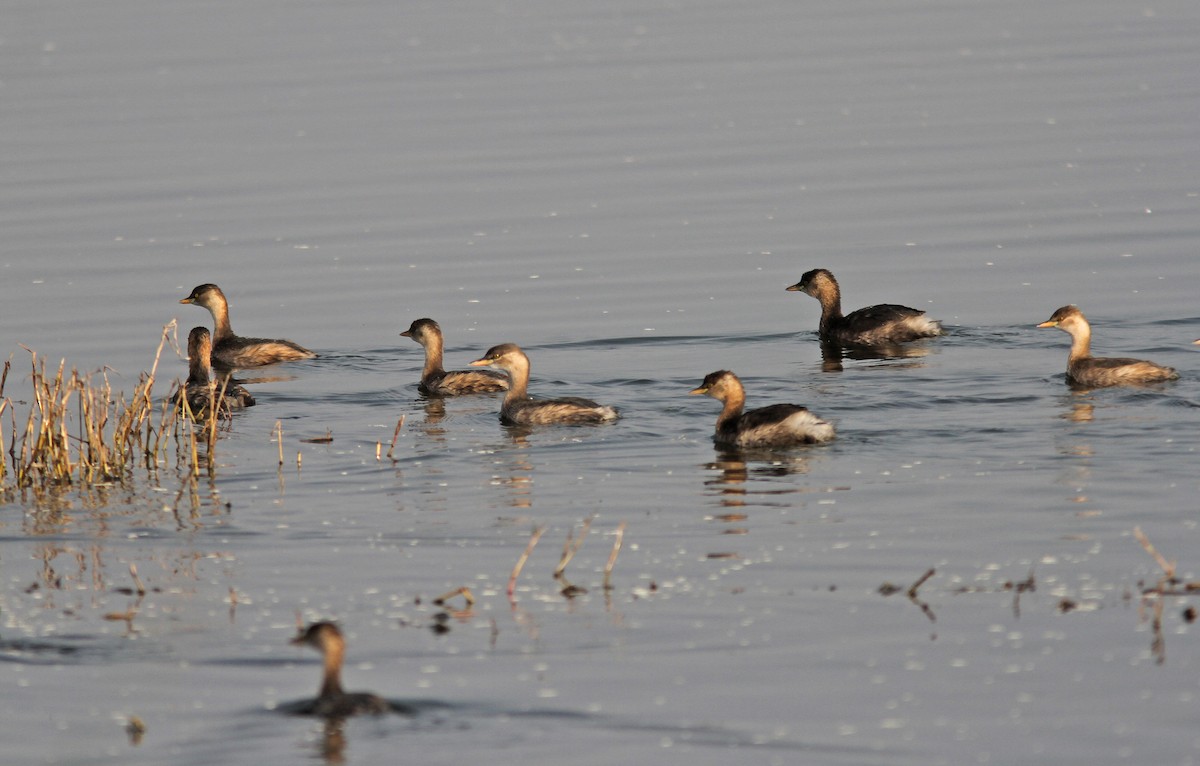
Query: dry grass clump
[79,434]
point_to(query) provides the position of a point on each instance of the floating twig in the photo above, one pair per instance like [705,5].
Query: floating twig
[441,620]
[326,439]
[516,572]
[888,589]
[619,537]
[1168,585]
[1168,567]
[571,547]
[912,589]
[137,581]
[125,617]
[464,591]
[395,435]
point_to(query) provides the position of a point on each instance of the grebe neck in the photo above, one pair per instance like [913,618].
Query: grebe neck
[331,686]
[433,356]
[199,372]
[831,304]
[1081,342]
[221,327]
[518,373]
[732,407]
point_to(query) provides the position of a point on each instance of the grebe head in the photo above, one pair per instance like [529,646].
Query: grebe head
[320,636]
[199,345]
[718,385]
[204,295]
[814,283]
[504,356]
[1066,318]
[421,329]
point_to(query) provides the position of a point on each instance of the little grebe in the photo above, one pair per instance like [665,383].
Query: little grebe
[201,389]
[1083,369]
[870,326]
[435,381]
[519,409]
[776,425]
[231,350]
[333,701]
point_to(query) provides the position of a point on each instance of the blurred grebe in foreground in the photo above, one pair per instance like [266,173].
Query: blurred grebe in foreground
[870,326]
[1086,370]
[435,380]
[201,389]
[519,409]
[776,425]
[231,350]
[333,701]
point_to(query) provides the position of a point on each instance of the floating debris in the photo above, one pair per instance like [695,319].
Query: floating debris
[326,439]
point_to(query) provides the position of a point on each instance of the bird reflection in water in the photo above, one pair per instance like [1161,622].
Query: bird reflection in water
[1080,412]
[332,745]
[435,412]
[514,472]
[736,472]
[833,354]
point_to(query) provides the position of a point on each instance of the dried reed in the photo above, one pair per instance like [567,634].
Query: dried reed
[618,539]
[395,435]
[571,547]
[1169,585]
[79,434]
[516,572]
[463,591]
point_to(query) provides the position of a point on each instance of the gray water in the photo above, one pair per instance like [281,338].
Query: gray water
[624,189]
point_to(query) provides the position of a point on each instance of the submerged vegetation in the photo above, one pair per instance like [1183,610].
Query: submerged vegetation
[79,434]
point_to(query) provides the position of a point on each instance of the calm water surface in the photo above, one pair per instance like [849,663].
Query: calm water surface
[624,189]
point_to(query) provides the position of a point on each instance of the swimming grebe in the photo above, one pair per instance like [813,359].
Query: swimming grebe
[202,390]
[519,409]
[776,425]
[1086,370]
[231,350]
[873,325]
[435,381]
[333,702]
